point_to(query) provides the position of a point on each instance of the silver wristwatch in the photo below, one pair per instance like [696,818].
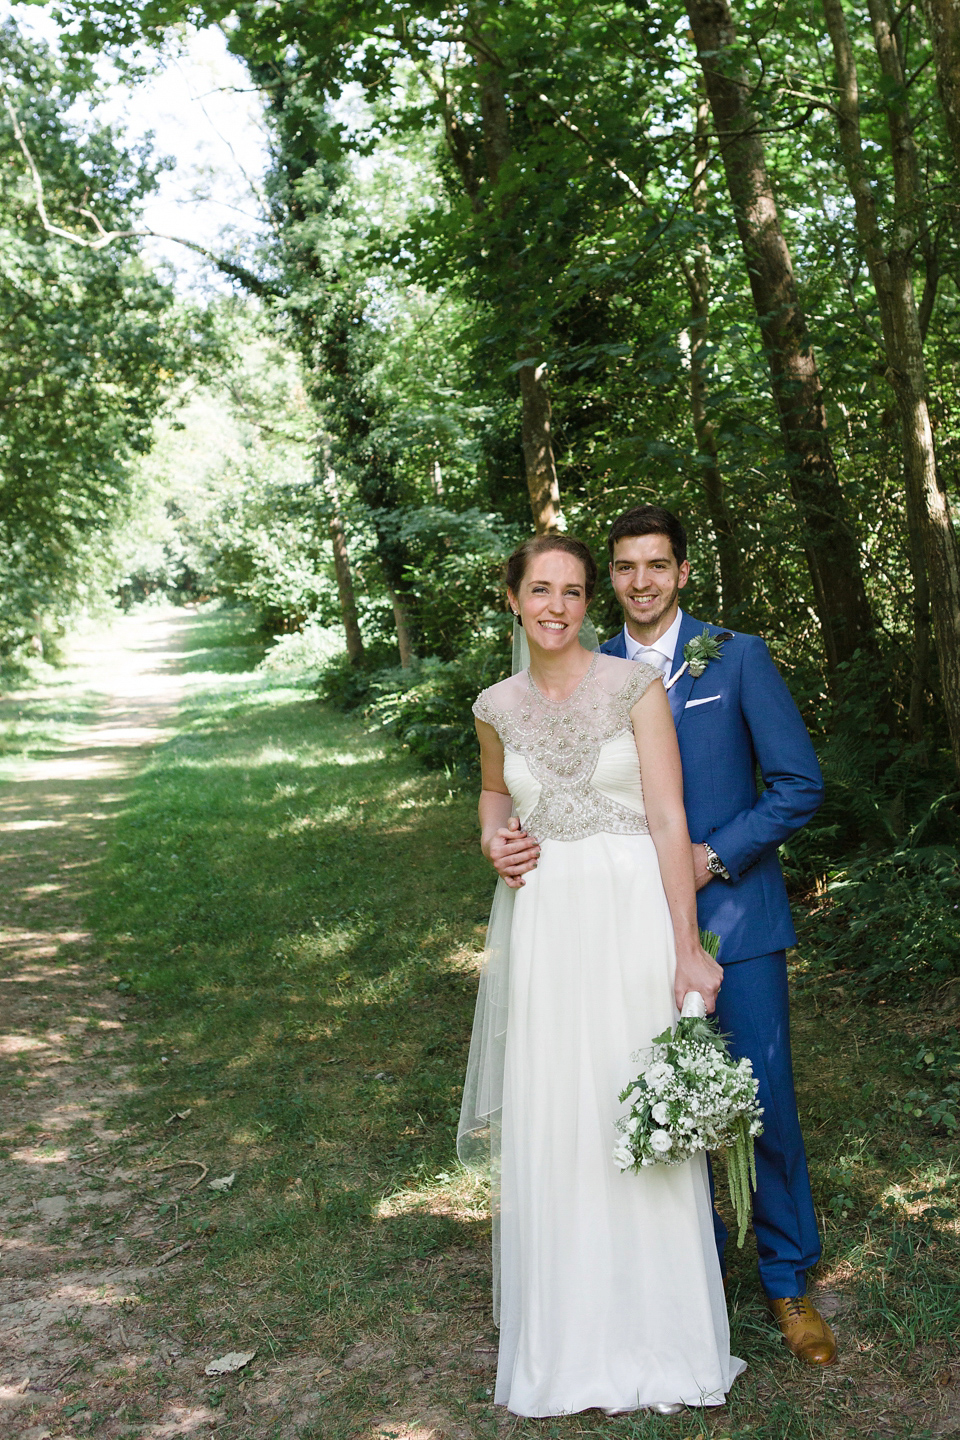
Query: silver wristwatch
[714,864]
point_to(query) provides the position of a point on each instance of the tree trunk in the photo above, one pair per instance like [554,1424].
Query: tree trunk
[341,566]
[932,545]
[698,286]
[542,484]
[908,375]
[829,542]
[943,22]
[535,426]
[404,636]
[920,672]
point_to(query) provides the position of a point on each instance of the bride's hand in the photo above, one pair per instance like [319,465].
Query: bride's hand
[512,852]
[698,971]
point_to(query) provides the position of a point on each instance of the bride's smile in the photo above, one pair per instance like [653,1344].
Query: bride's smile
[550,603]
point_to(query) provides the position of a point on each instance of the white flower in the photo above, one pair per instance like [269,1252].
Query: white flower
[661,1112]
[658,1075]
[623,1156]
[660,1141]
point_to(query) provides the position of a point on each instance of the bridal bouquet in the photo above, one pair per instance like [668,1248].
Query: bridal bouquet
[693,1096]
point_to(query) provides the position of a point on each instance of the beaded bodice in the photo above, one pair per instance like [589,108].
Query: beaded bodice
[561,742]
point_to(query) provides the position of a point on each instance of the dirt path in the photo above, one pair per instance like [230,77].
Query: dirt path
[109,1309]
[79,1240]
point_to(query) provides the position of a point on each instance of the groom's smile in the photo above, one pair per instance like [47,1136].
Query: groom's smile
[647,580]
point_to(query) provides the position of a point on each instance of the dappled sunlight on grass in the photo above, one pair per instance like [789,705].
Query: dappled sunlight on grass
[461,1194]
[14,1044]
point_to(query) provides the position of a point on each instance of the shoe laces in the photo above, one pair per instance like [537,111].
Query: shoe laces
[796,1307]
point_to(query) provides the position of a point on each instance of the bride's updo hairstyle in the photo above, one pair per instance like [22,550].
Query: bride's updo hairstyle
[519,561]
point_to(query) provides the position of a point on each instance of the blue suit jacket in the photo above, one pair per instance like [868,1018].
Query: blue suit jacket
[746,719]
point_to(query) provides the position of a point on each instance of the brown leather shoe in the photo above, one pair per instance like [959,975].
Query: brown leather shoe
[804,1330]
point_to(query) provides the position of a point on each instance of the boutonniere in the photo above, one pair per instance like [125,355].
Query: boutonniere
[698,652]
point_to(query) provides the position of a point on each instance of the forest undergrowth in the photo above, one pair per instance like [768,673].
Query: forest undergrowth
[294,919]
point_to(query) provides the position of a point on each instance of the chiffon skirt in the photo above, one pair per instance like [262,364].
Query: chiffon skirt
[610,1287]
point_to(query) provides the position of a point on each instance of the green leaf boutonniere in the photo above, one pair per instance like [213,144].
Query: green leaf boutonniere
[698,652]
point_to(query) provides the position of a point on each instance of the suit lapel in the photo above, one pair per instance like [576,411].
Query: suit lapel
[679,694]
[616,645]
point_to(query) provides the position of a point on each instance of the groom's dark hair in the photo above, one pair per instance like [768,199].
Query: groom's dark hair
[649,520]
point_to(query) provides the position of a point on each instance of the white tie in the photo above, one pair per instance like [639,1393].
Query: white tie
[656,658]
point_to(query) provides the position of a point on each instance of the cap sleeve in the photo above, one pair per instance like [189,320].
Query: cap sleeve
[483,710]
[638,684]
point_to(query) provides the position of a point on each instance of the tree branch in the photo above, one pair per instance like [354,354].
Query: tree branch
[245,277]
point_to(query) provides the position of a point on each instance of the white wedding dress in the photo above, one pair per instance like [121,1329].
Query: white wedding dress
[609,1285]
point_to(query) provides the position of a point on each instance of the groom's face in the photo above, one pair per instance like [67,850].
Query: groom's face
[647,580]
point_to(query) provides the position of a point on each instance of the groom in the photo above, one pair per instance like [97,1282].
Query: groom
[736,716]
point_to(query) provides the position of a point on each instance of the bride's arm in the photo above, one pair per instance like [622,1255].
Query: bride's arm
[508,847]
[659,753]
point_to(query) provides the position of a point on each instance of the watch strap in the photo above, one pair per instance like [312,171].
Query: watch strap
[714,864]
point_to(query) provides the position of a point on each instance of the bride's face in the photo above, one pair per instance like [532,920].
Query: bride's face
[552,600]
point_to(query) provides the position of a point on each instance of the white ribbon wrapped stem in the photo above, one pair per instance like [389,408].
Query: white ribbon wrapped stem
[669,684]
[694,1006]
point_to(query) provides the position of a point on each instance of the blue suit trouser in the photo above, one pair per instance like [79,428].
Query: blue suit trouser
[753,1009]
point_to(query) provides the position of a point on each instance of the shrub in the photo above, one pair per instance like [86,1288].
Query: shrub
[890,918]
[425,708]
[428,711]
[348,687]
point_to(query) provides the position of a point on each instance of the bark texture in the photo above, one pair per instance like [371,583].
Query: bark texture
[404,634]
[830,545]
[342,569]
[697,276]
[943,22]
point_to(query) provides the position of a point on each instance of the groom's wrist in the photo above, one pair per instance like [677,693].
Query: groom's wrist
[714,864]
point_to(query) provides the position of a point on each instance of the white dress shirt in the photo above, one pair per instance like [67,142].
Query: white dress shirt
[660,654]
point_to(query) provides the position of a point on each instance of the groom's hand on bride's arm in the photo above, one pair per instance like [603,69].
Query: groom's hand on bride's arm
[512,852]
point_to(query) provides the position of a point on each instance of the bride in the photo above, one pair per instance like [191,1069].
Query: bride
[607,1285]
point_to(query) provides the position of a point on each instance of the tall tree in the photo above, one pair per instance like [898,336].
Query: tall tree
[341,561]
[697,277]
[829,540]
[891,261]
[943,21]
[497,146]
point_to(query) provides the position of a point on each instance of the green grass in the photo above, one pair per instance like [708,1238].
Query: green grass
[296,917]
[37,723]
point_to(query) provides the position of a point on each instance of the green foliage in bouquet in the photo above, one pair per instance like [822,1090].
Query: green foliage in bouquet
[691,1062]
